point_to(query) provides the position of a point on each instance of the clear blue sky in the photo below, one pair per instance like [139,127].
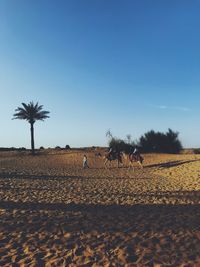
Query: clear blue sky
[129,66]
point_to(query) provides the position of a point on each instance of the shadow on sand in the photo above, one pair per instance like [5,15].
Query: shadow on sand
[171,164]
[154,217]
[166,234]
[16,175]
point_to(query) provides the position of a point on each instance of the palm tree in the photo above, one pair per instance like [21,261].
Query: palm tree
[32,113]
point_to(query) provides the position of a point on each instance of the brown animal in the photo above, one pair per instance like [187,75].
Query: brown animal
[113,156]
[131,158]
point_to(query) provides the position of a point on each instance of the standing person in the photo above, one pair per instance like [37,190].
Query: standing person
[85,163]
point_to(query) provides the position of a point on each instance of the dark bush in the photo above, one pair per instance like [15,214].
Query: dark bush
[197,151]
[160,142]
[41,147]
[22,149]
[6,149]
[67,147]
[119,145]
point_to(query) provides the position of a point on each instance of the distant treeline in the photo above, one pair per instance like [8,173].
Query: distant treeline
[12,149]
[67,147]
[24,149]
[149,142]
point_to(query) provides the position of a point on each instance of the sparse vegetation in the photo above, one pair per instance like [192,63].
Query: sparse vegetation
[118,144]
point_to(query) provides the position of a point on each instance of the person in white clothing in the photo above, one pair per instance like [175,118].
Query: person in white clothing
[135,151]
[85,162]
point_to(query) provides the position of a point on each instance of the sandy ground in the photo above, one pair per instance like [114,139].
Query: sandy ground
[54,213]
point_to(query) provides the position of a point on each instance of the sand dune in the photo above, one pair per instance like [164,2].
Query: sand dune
[54,213]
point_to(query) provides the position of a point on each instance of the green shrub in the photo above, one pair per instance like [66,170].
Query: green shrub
[160,142]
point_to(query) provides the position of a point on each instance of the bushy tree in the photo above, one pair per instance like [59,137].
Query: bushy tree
[160,142]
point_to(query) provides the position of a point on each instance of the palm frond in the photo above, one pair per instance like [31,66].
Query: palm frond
[31,112]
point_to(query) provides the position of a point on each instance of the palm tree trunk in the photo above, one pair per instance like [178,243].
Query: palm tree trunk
[32,140]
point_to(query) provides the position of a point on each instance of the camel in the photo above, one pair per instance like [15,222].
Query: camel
[113,156]
[131,158]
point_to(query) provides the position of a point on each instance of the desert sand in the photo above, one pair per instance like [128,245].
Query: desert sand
[54,213]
